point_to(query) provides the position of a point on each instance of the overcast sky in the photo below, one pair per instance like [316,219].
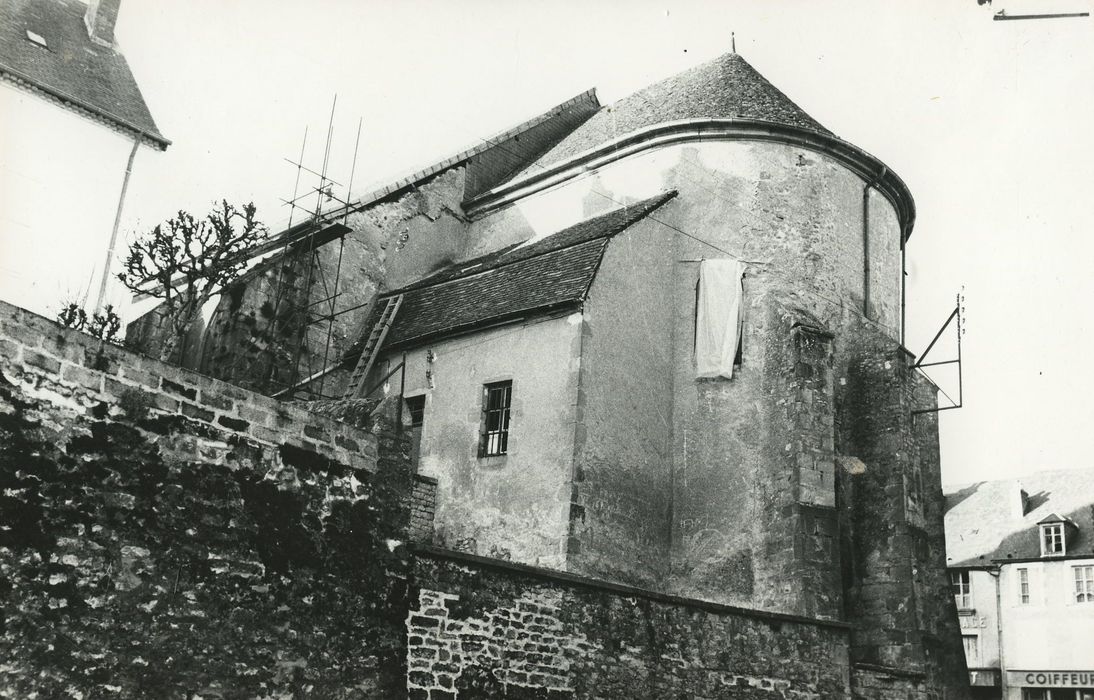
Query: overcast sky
[988,122]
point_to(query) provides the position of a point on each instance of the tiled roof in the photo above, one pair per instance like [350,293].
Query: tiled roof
[550,273]
[982,523]
[727,87]
[85,76]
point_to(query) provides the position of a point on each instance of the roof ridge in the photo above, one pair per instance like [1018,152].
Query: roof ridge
[410,177]
[416,174]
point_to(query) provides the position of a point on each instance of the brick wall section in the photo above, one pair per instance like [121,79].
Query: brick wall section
[78,370]
[423,503]
[481,628]
[167,535]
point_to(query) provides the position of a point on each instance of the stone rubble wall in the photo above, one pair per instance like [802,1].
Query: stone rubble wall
[163,534]
[480,628]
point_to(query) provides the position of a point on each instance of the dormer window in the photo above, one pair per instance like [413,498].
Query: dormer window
[1052,540]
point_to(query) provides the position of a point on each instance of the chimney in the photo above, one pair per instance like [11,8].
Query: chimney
[1019,501]
[100,19]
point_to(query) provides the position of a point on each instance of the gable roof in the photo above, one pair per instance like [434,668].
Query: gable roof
[84,76]
[552,273]
[982,525]
[727,87]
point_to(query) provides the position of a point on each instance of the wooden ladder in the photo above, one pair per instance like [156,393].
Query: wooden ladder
[372,347]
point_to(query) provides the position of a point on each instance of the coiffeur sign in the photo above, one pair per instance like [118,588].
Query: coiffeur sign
[1051,679]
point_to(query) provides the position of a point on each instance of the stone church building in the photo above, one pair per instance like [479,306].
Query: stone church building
[656,344]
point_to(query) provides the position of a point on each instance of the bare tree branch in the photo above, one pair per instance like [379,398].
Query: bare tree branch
[195,250]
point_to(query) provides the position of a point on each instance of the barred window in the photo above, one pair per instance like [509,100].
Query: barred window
[497,398]
[1084,584]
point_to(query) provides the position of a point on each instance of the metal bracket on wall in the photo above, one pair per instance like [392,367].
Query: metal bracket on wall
[958,314]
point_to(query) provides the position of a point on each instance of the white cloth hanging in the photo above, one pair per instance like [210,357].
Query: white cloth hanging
[718,317]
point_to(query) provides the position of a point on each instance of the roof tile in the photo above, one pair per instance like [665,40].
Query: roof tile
[550,273]
[727,87]
[74,69]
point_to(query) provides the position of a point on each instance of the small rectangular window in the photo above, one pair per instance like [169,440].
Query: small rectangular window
[497,399]
[1023,586]
[972,650]
[415,406]
[962,589]
[1052,539]
[1084,584]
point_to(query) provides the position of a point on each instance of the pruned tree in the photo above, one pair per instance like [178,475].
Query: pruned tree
[103,325]
[185,260]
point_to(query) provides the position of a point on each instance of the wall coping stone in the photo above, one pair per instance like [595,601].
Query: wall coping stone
[101,372]
[432,552]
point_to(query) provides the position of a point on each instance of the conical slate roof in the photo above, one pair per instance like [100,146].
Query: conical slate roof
[726,88]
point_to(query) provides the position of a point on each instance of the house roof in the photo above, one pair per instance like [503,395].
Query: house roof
[982,523]
[727,87]
[86,77]
[550,273]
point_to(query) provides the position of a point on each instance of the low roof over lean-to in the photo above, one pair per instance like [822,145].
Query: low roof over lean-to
[81,74]
[549,274]
[725,88]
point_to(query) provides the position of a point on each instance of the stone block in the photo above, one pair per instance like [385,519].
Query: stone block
[215,400]
[41,361]
[191,411]
[88,379]
[177,389]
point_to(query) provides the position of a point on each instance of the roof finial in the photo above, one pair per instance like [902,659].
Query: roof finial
[733,42]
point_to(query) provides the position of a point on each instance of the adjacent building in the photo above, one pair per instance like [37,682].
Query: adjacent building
[658,344]
[1021,560]
[72,118]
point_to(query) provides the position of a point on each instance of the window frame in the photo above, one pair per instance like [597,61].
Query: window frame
[1023,586]
[494,441]
[1083,579]
[963,600]
[975,661]
[1055,531]
[415,404]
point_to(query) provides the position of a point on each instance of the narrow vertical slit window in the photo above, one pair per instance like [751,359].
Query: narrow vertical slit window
[1023,586]
[415,406]
[497,399]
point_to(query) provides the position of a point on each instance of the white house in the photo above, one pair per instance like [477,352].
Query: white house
[71,119]
[1021,560]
